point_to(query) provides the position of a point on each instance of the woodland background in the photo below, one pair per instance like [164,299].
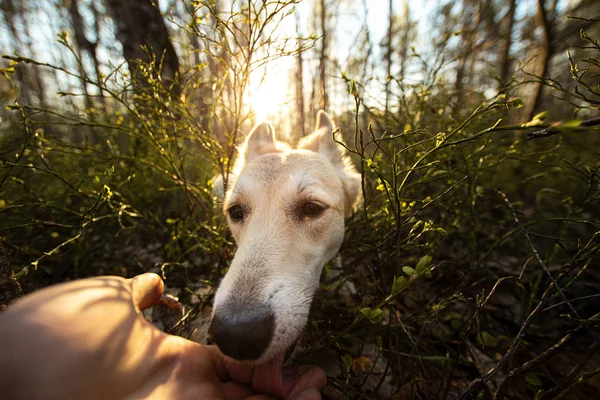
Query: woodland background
[470,271]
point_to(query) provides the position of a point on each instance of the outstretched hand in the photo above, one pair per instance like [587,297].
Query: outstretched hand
[88,340]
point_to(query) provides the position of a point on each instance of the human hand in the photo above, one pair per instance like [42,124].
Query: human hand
[88,340]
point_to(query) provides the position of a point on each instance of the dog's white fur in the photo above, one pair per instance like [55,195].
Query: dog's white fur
[281,253]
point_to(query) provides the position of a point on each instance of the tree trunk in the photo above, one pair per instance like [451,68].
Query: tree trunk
[83,44]
[467,39]
[505,62]
[12,16]
[301,122]
[140,24]
[403,48]
[544,54]
[388,55]
[324,101]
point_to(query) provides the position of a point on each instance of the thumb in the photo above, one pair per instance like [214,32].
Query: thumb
[146,290]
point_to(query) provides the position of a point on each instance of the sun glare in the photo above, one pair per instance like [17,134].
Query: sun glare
[270,91]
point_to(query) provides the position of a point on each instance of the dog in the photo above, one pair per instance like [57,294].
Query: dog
[286,208]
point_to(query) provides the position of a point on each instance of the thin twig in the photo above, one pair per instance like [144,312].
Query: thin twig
[550,131]
[591,296]
[537,254]
[477,383]
[571,377]
[536,362]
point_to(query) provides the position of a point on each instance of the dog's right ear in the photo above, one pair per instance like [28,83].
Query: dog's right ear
[261,140]
[323,121]
[321,141]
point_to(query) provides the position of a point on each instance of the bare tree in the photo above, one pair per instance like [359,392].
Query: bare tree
[544,19]
[83,44]
[141,29]
[388,54]
[470,23]
[301,122]
[324,99]
[12,16]
[405,38]
[504,54]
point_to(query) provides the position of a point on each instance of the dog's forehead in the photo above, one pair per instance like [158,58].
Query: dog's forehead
[296,170]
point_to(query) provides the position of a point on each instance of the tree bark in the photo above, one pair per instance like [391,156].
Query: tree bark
[544,54]
[388,55]
[324,101]
[467,35]
[403,48]
[12,15]
[505,62]
[84,44]
[301,122]
[140,24]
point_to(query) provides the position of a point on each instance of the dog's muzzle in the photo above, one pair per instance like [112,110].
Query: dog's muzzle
[242,333]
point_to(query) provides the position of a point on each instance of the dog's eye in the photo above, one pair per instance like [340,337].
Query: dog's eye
[312,210]
[236,213]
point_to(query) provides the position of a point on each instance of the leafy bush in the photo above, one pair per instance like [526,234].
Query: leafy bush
[448,281]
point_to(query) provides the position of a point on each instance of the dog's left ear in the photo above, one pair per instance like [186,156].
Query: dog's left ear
[261,140]
[321,141]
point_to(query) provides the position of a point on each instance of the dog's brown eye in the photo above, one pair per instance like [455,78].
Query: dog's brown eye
[312,210]
[236,213]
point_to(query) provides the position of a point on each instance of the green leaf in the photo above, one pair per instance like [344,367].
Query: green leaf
[347,362]
[541,116]
[372,315]
[423,264]
[400,283]
[439,138]
[487,340]
[408,271]
[533,379]
[537,120]
[570,126]
[515,102]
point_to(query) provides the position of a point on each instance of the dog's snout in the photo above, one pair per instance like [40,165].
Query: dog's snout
[243,334]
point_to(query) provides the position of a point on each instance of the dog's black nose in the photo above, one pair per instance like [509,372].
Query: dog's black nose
[243,334]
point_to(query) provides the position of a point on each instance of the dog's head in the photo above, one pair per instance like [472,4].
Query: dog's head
[286,210]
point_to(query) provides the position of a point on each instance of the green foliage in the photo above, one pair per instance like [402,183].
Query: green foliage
[439,263]
[436,254]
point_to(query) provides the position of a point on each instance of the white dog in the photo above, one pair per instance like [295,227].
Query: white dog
[286,210]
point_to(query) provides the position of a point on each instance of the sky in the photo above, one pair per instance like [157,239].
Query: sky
[270,97]
[270,101]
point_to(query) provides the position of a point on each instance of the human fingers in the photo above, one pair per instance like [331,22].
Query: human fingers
[235,391]
[239,372]
[261,397]
[146,290]
[307,394]
[308,377]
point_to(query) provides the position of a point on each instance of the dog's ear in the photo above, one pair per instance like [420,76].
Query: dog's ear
[261,140]
[323,121]
[321,141]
